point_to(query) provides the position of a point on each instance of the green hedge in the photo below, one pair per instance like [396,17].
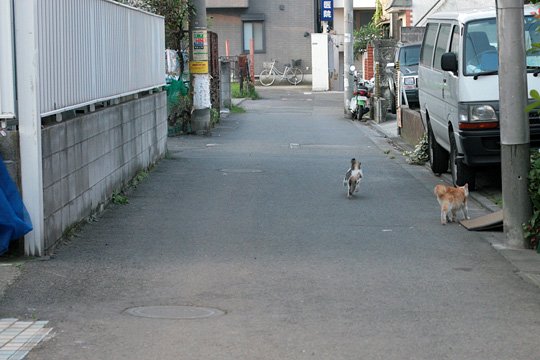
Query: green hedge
[532,228]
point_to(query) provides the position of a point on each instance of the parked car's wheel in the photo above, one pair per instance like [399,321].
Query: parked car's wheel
[438,156]
[461,173]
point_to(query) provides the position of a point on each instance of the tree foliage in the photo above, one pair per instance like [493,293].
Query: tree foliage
[532,227]
[378,15]
[176,13]
[366,33]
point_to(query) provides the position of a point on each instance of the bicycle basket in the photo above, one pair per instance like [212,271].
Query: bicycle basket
[296,63]
[267,65]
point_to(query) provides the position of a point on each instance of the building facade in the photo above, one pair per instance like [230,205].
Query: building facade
[280,29]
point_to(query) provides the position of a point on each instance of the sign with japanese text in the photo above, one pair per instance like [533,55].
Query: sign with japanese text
[200,45]
[327,10]
[198,67]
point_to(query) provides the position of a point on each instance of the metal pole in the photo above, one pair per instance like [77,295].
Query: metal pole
[29,119]
[348,56]
[513,120]
[198,66]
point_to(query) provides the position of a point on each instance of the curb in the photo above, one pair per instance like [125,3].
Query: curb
[483,201]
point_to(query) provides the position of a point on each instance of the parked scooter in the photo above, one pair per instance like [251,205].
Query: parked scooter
[359,104]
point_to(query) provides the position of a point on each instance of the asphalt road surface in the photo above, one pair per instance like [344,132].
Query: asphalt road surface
[253,225]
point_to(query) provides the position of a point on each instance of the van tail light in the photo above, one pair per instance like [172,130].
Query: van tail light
[478,125]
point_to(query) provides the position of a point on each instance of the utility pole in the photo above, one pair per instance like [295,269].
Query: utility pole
[198,68]
[348,56]
[513,120]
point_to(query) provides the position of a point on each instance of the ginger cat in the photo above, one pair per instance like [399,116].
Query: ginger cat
[451,200]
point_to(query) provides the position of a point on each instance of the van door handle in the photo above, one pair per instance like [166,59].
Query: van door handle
[443,87]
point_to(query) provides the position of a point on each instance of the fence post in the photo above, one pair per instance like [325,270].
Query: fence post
[29,118]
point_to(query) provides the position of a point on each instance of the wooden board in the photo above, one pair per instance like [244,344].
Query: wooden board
[491,221]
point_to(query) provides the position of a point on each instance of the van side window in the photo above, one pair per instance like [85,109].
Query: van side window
[426,56]
[454,42]
[442,45]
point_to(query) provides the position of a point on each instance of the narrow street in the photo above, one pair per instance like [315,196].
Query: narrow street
[250,233]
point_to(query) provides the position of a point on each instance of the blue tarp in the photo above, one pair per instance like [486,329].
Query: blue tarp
[14,219]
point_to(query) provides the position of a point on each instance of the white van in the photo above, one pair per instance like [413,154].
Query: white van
[458,87]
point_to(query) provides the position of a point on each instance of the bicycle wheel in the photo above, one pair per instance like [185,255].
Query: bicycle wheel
[295,76]
[267,77]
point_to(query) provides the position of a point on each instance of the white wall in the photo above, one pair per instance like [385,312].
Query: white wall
[357,4]
[319,61]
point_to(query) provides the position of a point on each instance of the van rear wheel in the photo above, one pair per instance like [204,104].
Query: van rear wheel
[461,173]
[438,157]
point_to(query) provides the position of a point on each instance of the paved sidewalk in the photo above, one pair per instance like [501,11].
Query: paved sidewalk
[527,262]
[17,338]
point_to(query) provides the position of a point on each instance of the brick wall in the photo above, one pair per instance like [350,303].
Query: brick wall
[369,64]
[408,18]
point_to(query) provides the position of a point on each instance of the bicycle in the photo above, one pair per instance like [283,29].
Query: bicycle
[292,73]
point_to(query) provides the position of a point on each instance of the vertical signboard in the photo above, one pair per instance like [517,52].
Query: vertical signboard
[327,10]
[199,63]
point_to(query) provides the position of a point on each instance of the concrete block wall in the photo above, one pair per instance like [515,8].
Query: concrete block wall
[87,158]
[9,149]
[412,127]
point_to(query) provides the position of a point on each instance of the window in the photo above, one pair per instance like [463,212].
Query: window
[253,30]
[532,36]
[426,56]
[454,45]
[442,45]
[454,42]
[408,55]
[481,54]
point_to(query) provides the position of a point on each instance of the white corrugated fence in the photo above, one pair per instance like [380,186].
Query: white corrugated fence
[95,50]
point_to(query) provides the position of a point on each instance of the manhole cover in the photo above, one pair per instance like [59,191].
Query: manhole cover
[174,312]
[241,171]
